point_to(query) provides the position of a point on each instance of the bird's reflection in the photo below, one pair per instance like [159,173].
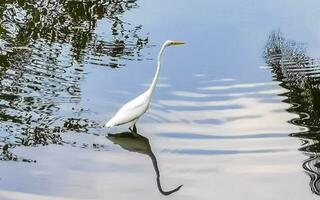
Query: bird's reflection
[135,142]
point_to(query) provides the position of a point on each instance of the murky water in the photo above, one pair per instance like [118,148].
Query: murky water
[235,114]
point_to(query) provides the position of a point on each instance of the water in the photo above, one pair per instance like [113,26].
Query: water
[235,114]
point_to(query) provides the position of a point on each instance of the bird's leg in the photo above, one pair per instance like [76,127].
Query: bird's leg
[131,128]
[134,128]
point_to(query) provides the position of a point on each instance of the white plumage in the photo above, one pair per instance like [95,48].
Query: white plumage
[135,108]
[131,111]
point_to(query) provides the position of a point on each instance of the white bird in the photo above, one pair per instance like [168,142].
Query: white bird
[135,108]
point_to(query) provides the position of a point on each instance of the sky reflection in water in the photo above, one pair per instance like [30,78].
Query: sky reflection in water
[220,116]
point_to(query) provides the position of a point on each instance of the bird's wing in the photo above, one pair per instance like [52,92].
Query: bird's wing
[132,110]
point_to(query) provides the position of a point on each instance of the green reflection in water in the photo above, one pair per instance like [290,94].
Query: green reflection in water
[43,48]
[300,75]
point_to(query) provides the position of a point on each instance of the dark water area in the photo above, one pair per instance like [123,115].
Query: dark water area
[44,48]
[235,113]
[299,73]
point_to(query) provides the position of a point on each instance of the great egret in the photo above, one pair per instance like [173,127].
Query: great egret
[135,108]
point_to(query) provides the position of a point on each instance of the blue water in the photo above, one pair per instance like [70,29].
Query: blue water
[224,122]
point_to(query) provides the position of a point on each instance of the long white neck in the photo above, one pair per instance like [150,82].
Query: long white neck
[157,74]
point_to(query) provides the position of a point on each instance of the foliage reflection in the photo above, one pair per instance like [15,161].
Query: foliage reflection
[299,74]
[43,47]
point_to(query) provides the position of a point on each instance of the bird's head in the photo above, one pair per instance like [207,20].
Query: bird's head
[171,42]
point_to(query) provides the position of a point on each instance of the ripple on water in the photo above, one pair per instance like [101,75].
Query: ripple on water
[227,119]
[56,82]
[44,50]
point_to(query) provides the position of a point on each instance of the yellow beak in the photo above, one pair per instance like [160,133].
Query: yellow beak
[177,43]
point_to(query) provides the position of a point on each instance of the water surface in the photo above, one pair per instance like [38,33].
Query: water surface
[235,114]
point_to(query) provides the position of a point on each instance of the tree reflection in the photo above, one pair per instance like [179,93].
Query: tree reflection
[7,155]
[43,45]
[312,166]
[138,143]
[300,75]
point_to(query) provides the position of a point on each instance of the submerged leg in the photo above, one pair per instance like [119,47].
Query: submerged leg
[133,126]
[133,129]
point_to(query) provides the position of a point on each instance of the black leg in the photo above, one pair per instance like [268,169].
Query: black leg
[134,128]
